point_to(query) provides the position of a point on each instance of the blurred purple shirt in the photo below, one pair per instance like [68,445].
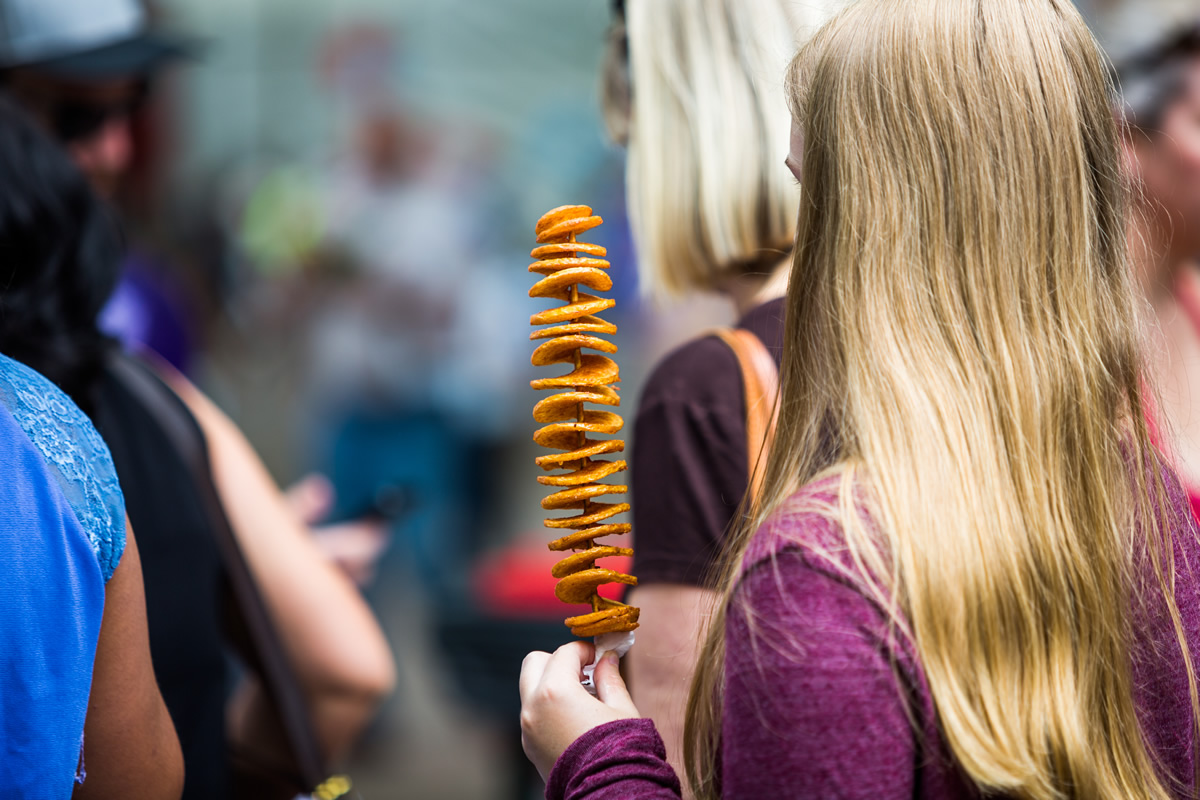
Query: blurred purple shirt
[147,310]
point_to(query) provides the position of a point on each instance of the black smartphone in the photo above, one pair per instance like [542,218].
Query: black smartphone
[388,502]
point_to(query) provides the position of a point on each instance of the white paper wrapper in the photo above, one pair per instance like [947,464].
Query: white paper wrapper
[621,642]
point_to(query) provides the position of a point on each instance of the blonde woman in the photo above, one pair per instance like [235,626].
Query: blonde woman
[706,122]
[989,593]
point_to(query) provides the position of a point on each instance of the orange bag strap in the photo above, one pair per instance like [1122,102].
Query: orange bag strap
[760,380]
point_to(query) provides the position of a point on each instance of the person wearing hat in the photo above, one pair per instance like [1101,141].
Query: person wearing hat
[78,68]
[1155,50]
[82,70]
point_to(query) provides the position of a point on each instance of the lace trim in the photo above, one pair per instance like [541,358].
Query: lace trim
[76,454]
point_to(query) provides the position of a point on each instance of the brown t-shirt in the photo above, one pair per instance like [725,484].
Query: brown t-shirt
[688,463]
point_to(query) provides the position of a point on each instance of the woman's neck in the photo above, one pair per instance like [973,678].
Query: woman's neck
[748,291]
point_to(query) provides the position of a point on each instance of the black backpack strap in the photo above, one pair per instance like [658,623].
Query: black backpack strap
[266,650]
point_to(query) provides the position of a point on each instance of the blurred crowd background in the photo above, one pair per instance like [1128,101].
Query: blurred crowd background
[333,204]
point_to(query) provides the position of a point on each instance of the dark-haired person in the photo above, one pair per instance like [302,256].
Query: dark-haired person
[83,69]
[61,257]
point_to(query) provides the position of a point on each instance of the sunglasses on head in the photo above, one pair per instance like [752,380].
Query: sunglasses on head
[76,120]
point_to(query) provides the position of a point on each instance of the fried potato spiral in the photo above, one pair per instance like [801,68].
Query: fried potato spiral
[566,265]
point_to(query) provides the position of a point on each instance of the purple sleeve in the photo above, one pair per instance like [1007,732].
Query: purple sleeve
[623,760]
[813,707]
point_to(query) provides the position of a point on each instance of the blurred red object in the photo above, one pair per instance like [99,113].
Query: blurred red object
[516,582]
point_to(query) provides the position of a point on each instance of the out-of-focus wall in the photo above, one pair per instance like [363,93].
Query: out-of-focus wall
[498,100]
[502,66]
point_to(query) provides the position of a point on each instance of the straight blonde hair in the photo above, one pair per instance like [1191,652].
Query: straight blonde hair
[962,317]
[707,129]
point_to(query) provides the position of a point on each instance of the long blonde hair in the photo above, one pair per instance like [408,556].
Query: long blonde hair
[961,316]
[700,102]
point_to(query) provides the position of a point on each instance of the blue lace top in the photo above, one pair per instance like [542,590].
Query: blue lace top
[78,457]
[62,533]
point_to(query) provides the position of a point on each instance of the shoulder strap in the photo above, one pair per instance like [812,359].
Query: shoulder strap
[760,380]
[279,679]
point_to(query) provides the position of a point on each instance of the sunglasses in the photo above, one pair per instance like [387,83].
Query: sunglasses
[76,120]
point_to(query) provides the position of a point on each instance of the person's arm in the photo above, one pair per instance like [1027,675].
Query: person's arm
[335,643]
[673,622]
[129,743]
[812,706]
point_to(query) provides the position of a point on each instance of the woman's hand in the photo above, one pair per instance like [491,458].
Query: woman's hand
[356,545]
[556,709]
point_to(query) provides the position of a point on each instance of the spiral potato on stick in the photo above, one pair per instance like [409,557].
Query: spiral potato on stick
[566,265]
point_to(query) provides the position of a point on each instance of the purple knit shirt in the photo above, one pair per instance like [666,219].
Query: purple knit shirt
[827,716]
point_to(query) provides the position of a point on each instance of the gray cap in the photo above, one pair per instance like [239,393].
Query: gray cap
[83,38]
[1148,42]
[1128,29]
